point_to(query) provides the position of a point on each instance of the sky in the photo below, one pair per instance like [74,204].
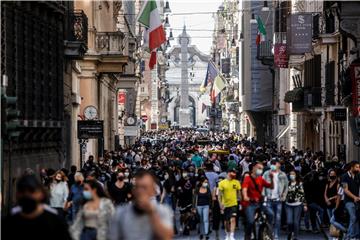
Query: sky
[194,22]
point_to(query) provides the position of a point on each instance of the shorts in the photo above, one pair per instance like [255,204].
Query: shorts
[230,212]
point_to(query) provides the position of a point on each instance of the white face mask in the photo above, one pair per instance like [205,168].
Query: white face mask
[126,174]
[166,176]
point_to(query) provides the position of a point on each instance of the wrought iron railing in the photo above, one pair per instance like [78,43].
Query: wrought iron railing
[264,50]
[79,27]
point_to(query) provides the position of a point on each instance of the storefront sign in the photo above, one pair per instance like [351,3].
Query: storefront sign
[280,56]
[90,129]
[355,78]
[299,33]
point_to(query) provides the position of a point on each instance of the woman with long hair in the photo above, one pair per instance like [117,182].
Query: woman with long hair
[294,204]
[92,221]
[59,192]
[202,200]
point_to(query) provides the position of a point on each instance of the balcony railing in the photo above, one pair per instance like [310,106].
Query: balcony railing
[264,50]
[76,42]
[110,43]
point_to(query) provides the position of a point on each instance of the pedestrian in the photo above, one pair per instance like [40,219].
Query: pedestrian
[229,193]
[75,198]
[120,191]
[277,195]
[92,220]
[59,192]
[71,176]
[202,200]
[252,189]
[143,218]
[31,218]
[294,204]
[331,192]
[351,184]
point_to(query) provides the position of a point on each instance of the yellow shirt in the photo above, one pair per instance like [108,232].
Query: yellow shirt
[229,189]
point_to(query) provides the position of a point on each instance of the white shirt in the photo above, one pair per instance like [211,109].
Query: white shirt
[275,191]
[58,194]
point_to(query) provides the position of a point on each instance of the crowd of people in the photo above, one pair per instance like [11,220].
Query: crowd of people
[186,182]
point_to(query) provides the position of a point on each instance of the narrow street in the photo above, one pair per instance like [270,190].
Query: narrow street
[180,119]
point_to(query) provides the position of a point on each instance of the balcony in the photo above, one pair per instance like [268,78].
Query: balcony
[264,52]
[112,48]
[303,99]
[76,43]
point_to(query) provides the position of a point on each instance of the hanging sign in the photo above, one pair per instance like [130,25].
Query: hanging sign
[355,78]
[280,56]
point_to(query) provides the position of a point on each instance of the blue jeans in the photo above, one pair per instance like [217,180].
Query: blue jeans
[314,210]
[276,207]
[250,216]
[293,216]
[203,212]
[353,230]
[88,234]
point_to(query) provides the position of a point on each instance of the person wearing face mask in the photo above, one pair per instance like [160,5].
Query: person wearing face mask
[59,192]
[31,219]
[245,163]
[229,194]
[92,221]
[143,218]
[184,193]
[330,193]
[75,197]
[120,191]
[276,196]
[294,204]
[127,175]
[351,183]
[202,200]
[252,188]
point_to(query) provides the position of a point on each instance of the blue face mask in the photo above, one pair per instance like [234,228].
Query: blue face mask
[273,167]
[87,195]
[292,177]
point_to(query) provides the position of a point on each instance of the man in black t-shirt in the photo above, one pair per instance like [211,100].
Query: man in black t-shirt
[351,184]
[32,219]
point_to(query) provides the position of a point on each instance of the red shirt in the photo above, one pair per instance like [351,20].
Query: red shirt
[253,193]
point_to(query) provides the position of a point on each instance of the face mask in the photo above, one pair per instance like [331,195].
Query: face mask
[120,178]
[126,174]
[166,177]
[205,185]
[292,177]
[78,182]
[87,195]
[332,177]
[184,175]
[259,172]
[273,167]
[27,204]
[58,180]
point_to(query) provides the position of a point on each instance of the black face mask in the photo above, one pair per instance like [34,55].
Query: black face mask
[121,178]
[27,204]
[78,182]
[332,177]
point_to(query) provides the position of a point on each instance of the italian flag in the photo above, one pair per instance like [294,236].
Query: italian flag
[261,31]
[149,17]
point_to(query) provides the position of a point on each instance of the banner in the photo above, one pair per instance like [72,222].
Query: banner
[299,33]
[355,78]
[121,97]
[280,56]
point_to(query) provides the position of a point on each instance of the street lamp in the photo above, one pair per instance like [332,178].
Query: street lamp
[167,24]
[171,37]
[265,8]
[167,7]
[253,20]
